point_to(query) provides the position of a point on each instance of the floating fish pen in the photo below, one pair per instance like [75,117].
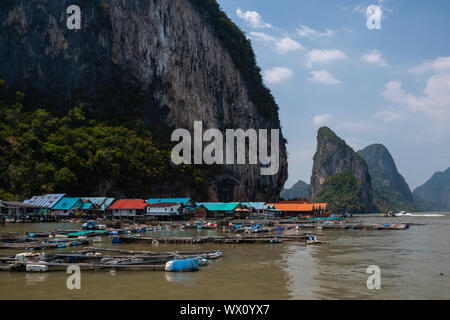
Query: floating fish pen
[354,226]
[49,244]
[214,239]
[96,259]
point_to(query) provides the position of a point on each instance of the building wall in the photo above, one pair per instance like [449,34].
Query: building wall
[125,212]
[162,211]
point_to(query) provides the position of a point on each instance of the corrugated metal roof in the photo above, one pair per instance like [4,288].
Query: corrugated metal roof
[129,204]
[16,204]
[46,201]
[68,203]
[219,206]
[256,205]
[320,206]
[299,207]
[86,205]
[102,202]
[184,201]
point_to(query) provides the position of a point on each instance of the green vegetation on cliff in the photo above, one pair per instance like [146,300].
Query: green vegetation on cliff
[300,190]
[340,176]
[391,191]
[70,152]
[434,195]
[342,192]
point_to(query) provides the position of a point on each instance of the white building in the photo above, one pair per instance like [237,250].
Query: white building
[164,209]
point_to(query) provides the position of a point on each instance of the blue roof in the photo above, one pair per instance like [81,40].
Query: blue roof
[86,205]
[67,203]
[102,202]
[184,201]
[220,206]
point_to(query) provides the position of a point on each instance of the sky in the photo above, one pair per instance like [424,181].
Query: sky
[324,66]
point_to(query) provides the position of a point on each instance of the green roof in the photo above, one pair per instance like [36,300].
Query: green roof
[220,206]
[184,201]
[86,205]
[68,203]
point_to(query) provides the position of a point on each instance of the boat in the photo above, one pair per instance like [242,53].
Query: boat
[389,214]
[402,214]
[97,240]
[312,240]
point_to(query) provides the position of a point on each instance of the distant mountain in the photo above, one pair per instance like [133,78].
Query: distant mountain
[340,176]
[297,191]
[434,195]
[390,188]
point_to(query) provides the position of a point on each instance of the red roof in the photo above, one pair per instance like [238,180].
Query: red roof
[129,204]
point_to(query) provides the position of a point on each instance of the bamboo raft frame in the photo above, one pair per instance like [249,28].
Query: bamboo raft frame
[41,245]
[90,259]
[217,239]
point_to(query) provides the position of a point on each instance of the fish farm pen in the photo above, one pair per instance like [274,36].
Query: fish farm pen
[35,251]
[95,259]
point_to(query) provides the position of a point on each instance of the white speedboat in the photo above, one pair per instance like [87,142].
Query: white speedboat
[402,214]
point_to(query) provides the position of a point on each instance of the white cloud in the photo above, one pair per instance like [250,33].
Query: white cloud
[434,103]
[322,119]
[388,115]
[277,74]
[283,45]
[286,44]
[362,8]
[261,36]
[323,56]
[441,64]
[253,18]
[324,77]
[374,57]
[305,31]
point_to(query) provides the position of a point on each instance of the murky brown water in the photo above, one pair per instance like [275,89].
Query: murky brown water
[411,262]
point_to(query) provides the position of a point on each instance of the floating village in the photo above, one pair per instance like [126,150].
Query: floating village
[102,220]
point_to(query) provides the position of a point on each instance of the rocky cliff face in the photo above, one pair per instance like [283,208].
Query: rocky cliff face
[434,195]
[167,49]
[340,176]
[391,190]
[298,191]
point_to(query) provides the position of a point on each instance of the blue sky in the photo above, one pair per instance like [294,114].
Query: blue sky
[325,67]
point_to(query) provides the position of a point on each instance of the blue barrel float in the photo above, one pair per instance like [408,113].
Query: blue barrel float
[184,265]
[116,240]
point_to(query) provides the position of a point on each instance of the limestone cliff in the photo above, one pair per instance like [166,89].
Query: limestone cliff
[300,190]
[392,193]
[434,195]
[183,56]
[340,176]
